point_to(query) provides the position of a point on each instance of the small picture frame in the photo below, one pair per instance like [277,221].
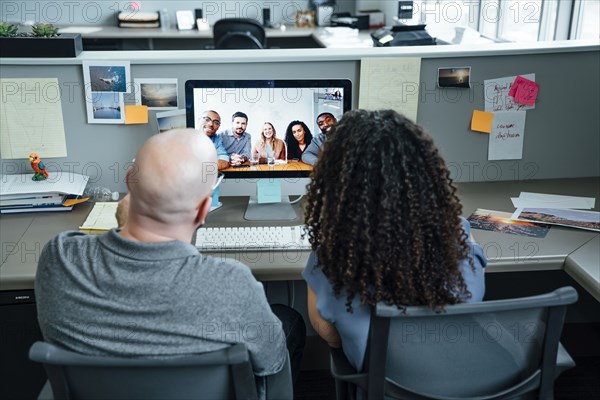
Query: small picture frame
[305,19]
[107,76]
[171,120]
[185,20]
[105,107]
[458,77]
[157,94]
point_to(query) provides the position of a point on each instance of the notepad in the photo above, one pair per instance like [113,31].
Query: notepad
[102,218]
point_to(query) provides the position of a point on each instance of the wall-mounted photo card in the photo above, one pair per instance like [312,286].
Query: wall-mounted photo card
[170,120]
[459,77]
[105,108]
[107,76]
[157,94]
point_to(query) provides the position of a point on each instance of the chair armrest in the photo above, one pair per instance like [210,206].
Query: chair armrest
[563,361]
[46,392]
[279,385]
[341,369]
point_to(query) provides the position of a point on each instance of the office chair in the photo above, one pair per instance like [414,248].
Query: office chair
[490,350]
[221,374]
[239,33]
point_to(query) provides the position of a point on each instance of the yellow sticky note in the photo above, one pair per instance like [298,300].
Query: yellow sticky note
[72,202]
[482,121]
[136,114]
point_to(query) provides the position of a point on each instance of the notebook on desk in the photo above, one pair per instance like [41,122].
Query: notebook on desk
[102,218]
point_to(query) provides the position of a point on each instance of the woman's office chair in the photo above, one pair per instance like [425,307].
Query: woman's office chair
[221,374]
[490,350]
[239,33]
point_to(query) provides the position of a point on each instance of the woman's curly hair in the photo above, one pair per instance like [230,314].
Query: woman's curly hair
[383,215]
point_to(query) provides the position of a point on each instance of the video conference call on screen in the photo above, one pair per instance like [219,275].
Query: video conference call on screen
[277,103]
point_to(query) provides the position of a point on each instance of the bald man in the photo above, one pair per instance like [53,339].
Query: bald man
[144,290]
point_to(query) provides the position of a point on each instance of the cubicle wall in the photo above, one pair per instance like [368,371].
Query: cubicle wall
[561,133]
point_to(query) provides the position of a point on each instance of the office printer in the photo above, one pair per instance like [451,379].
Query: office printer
[351,21]
[402,35]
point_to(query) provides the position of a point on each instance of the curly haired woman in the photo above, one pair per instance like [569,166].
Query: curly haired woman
[297,139]
[384,224]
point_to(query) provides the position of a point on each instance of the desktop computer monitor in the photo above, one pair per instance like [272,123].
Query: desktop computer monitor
[277,103]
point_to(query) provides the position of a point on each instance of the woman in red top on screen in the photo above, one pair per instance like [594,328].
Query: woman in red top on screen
[297,139]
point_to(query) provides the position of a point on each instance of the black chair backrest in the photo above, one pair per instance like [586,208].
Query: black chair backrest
[489,350]
[239,33]
[223,374]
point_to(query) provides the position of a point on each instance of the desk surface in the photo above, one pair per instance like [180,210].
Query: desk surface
[327,37]
[114,32]
[23,237]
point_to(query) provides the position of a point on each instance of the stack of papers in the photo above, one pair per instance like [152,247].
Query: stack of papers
[101,219]
[557,210]
[21,194]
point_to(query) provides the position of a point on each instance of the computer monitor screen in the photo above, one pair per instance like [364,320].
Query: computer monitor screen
[270,105]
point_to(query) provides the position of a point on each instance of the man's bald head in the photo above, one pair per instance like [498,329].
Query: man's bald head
[173,172]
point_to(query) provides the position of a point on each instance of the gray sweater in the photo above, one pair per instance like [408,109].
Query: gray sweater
[106,295]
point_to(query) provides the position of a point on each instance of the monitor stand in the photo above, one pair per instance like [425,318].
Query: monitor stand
[282,211]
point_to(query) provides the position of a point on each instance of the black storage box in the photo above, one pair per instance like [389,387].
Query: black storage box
[63,45]
[402,35]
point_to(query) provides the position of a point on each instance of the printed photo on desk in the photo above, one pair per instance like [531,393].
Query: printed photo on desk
[588,220]
[497,221]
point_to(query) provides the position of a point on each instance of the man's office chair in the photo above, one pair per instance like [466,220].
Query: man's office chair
[239,33]
[221,374]
[490,350]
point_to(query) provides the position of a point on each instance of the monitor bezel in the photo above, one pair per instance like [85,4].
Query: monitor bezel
[192,84]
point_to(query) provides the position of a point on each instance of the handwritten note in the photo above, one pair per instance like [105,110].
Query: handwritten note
[390,83]
[506,139]
[497,97]
[524,91]
[482,121]
[31,118]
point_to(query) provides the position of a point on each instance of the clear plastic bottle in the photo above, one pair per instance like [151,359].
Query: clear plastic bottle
[165,23]
[99,193]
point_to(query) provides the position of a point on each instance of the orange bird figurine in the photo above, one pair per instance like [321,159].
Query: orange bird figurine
[38,167]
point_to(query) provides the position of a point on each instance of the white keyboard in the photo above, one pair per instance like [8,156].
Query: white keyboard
[252,238]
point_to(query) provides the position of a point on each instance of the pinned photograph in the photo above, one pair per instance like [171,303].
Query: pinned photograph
[459,77]
[107,76]
[105,108]
[157,94]
[170,120]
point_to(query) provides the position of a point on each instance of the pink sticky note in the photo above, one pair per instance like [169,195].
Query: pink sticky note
[524,91]
[515,84]
[527,93]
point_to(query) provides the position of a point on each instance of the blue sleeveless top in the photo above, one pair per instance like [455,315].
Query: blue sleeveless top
[354,327]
